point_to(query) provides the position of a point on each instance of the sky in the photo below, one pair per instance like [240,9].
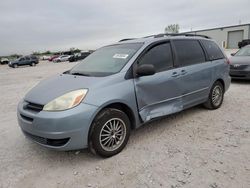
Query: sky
[27,26]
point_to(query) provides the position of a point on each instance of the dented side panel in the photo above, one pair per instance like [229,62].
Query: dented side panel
[158,95]
[161,109]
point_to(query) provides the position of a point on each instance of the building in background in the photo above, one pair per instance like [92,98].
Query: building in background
[227,37]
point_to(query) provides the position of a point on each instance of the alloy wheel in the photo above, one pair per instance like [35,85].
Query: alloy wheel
[217,95]
[112,134]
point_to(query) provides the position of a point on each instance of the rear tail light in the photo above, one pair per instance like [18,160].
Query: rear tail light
[228,61]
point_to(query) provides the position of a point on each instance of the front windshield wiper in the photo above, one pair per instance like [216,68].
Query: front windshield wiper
[79,74]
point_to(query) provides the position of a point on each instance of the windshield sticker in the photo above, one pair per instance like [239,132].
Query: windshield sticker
[120,56]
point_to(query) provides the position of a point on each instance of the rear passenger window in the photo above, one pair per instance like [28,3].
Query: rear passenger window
[214,52]
[160,56]
[189,52]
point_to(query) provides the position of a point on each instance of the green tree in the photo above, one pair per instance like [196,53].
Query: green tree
[172,28]
[36,53]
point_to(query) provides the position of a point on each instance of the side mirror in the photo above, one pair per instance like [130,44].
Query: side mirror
[145,70]
[232,54]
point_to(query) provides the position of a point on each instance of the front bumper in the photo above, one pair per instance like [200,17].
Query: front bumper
[63,130]
[240,74]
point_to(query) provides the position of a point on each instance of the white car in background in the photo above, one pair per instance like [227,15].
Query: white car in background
[4,61]
[44,57]
[61,58]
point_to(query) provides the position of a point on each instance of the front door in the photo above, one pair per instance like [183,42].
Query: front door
[158,95]
[21,61]
[27,61]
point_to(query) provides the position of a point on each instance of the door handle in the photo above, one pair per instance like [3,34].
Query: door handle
[183,72]
[175,74]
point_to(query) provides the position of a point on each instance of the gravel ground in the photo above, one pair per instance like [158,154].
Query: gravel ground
[194,148]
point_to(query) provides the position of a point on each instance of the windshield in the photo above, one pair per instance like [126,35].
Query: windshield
[107,60]
[243,52]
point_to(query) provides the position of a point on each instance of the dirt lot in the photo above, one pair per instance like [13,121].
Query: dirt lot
[194,148]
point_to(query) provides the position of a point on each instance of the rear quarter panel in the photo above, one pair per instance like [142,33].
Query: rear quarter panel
[220,70]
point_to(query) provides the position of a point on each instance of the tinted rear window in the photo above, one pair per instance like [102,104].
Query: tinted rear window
[189,52]
[213,50]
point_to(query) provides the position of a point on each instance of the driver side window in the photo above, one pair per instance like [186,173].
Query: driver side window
[160,56]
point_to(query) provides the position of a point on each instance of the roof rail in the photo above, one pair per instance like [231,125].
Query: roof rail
[189,35]
[177,34]
[126,39]
[170,34]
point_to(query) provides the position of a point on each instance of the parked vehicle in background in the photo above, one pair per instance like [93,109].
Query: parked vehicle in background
[244,43]
[61,58]
[45,57]
[4,61]
[240,64]
[53,57]
[121,87]
[78,56]
[26,60]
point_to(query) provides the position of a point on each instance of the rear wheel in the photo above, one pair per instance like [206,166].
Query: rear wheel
[216,96]
[33,64]
[110,132]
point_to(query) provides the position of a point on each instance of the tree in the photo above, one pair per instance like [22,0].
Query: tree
[172,28]
[36,53]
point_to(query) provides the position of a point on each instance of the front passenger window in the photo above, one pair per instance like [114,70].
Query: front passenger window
[160,56]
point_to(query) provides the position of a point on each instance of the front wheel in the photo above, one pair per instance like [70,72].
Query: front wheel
[110,132]
[216,96]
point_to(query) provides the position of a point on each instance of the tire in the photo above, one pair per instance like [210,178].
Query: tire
[15,65]
[110,132]
[32,64]
[216,96]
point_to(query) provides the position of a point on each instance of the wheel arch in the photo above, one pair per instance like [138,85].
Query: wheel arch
[120,106]
[222,82]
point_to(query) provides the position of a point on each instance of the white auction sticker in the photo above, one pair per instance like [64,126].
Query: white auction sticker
[120,56]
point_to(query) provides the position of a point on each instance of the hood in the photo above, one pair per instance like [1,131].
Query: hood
[56,86]
[242,60]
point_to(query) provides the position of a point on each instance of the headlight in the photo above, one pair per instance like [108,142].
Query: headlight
[66,101]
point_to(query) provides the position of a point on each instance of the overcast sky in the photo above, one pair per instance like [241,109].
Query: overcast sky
[29,25]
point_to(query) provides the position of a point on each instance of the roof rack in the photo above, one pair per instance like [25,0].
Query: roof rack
[126,39]
[190,35]
[177,34]
[170,34]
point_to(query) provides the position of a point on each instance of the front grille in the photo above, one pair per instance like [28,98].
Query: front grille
[47,141]
[238,66]
[33,107]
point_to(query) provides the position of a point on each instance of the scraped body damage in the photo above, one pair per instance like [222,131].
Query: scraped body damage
[161,109]
[158,95]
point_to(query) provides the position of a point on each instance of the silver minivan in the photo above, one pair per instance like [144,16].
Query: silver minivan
[122,86]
